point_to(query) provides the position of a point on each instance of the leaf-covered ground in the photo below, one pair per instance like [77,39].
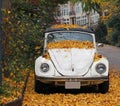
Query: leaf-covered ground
[82,98]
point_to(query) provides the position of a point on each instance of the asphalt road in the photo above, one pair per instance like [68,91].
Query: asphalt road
[113,55]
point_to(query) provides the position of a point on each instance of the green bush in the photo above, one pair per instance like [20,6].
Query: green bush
[101,32]
[23,28]
[115,38]
[114,23]
[22,36]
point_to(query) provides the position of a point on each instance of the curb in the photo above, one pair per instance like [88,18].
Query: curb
[19,100]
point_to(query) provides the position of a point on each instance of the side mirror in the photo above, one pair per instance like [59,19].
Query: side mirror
[100,45]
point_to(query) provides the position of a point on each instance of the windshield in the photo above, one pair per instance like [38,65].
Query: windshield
[74,36]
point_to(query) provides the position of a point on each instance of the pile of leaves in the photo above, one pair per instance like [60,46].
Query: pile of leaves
[65,26]
[112,98]
[70,44]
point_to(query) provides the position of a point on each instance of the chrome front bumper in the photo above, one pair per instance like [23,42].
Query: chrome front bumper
[61,80]
[72,78]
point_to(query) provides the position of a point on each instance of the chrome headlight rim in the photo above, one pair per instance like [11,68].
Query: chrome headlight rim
[101,68]
[44,67]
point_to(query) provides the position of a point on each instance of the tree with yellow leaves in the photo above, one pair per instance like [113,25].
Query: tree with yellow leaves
[100,6]
[88,6]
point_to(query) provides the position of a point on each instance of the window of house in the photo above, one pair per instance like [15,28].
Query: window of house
[81,20]
[78,8]
[64,10]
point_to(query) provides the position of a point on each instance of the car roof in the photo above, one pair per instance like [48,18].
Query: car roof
[89,30]
[69,27]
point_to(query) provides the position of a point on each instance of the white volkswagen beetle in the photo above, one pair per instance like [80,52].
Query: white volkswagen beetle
[70,59]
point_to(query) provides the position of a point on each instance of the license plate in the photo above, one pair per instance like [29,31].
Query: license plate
[72,85]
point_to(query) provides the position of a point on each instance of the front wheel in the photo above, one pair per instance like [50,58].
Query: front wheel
[103,87]
[40,87]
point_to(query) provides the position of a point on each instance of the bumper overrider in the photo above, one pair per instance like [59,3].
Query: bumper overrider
[83,80]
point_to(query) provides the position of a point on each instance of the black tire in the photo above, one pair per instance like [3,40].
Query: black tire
[103,87]
[40,87]
[37,86]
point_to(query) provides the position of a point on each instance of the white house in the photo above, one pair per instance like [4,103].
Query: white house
[73,14]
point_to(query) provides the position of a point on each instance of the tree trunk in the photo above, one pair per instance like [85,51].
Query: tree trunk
[0,44]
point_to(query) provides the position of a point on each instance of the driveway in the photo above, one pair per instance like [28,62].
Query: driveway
[113,55]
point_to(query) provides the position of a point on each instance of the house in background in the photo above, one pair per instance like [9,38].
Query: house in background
[73,14]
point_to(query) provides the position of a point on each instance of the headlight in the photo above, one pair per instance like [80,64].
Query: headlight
[100,68]
[44,67]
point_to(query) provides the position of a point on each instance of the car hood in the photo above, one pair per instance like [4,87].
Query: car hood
[72,61]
